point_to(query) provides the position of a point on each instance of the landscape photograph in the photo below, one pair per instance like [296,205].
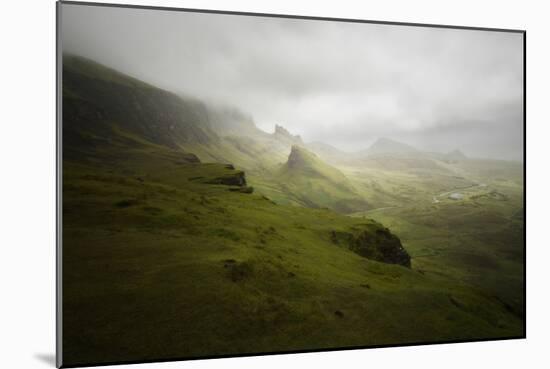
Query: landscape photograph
[236,185]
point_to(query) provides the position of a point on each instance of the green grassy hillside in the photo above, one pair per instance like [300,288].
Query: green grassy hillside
[477,238]
[306,180]
[160,264]
[167,255]
[101,105]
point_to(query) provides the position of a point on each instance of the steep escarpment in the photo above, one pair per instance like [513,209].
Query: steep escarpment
[101,105]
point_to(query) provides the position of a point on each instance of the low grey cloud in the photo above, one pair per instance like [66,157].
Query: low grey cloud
[341,83]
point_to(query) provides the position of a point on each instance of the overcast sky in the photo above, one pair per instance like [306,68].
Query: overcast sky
[341,83]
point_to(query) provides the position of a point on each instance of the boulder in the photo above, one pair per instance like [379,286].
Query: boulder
[234,179]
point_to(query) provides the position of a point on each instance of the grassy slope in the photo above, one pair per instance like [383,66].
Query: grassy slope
[477,240]
[306,180]
[315,184]
[107,99]
[157,265]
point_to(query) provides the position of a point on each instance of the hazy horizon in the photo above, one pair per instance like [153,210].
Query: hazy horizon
[344,84]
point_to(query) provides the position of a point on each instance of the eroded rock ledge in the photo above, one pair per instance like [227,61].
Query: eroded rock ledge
[375,242]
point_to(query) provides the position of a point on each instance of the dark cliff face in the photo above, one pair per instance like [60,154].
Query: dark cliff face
[375,243]
[235,179]
[296,158]
[230,177]
[99,103]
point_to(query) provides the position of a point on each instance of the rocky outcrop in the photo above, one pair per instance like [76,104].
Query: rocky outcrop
[374,242]
[283,134]
[243,189]
[189,158]
[298,157]
[236,178]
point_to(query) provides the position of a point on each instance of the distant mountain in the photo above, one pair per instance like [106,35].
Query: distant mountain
[330,153]
[384,154]
[388,146]
[282,134]
[456,155]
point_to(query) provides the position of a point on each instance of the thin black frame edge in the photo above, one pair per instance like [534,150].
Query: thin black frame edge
[59,122]
[289,16]
[59,188]
[310,351]
[524,184]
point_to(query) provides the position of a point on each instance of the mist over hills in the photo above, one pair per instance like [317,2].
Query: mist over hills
[429,88]
[387,146]
[213,132]
[227,120]
[104,105]
[207,118]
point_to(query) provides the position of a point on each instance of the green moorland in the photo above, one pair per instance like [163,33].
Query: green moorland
[168,255]
[477,239]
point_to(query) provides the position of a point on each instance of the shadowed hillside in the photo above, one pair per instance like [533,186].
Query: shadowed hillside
[171,247]
[101,104]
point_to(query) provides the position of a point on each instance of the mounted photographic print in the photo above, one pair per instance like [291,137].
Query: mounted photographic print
[238,184]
